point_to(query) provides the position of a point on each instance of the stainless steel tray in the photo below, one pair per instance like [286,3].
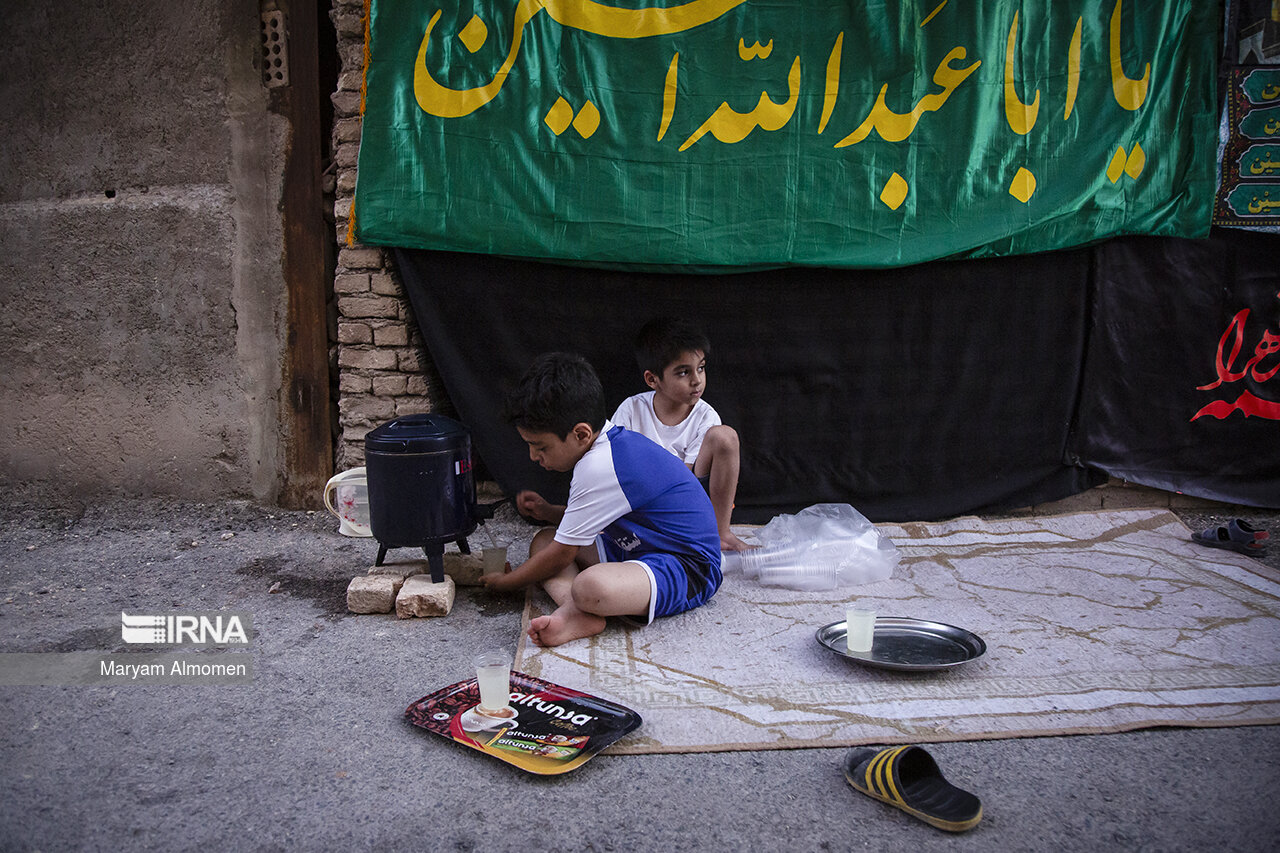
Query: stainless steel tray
[908,644]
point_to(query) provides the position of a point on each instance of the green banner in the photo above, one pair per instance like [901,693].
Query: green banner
[717,134]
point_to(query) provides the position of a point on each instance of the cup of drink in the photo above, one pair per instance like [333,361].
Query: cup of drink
[860,630]
[493,673]
[494,559]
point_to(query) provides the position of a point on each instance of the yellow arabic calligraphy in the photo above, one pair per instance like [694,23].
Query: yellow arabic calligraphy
[929,17]
[728,125]
[895,127]
[669,96]
[1271,93]
[1073,69]
[1257,205]
[1261,166]
[756,51]
[584,15]
[1021,117]
[1271,126]
[1129,93]
[832,88]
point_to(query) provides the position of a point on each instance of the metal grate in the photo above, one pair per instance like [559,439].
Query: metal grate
[275,50]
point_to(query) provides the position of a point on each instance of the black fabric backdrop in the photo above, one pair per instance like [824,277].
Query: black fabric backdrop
[1161,310]
[910,393]
[913,393]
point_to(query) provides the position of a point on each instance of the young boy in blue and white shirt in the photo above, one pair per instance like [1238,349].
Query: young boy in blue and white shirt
[638,536]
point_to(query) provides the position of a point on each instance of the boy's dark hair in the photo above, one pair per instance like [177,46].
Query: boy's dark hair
[662,339]
[559,390]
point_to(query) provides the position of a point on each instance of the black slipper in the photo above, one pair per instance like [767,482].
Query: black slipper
[909,778]
[1236,535]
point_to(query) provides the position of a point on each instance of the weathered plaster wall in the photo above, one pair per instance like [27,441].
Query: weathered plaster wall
[141,340]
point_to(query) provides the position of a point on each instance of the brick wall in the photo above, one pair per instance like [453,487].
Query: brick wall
[383,367]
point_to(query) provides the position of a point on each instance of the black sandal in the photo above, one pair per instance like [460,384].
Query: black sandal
[1236,535]
[909,778]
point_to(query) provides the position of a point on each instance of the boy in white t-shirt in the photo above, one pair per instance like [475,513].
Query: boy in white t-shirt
[638,536]
[672,353]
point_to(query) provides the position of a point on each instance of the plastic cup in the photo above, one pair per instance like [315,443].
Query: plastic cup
[493,673]
[494,559]
[860,631]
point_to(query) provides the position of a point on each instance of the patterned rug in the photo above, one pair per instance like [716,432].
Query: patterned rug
[1094,622]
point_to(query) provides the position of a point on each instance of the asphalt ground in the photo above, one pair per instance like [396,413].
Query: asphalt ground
[315,753]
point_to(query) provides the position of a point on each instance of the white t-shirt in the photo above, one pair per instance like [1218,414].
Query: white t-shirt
[684,439]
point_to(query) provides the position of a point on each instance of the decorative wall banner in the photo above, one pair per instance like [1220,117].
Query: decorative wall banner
[1240,368]
[1253,32]
[1182,385]
[717,134]
[1249,191]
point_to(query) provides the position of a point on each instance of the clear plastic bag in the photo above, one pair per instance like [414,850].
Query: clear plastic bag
[822,547]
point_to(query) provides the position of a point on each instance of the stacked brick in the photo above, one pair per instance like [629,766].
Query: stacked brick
[405,586]
[383,368]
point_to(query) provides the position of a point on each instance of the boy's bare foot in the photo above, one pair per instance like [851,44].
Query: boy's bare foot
[565,624]
[729,541]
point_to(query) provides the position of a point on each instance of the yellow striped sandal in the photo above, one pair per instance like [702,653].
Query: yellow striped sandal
[909,778]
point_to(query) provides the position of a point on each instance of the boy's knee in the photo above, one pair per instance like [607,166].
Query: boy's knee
[721,438]
[589,590]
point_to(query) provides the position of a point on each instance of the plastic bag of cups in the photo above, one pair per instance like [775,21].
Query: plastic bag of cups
[825,546]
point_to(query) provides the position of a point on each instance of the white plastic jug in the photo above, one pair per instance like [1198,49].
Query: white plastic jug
[352,507]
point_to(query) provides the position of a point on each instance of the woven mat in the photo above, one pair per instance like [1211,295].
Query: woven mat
[1094,622]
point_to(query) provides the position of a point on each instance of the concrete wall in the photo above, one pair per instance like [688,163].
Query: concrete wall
[141,338]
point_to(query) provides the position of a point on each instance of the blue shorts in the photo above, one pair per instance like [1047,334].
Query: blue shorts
[676,584]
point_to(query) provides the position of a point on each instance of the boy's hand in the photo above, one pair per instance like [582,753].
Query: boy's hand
[545,561]
[538,508]
[495,582]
